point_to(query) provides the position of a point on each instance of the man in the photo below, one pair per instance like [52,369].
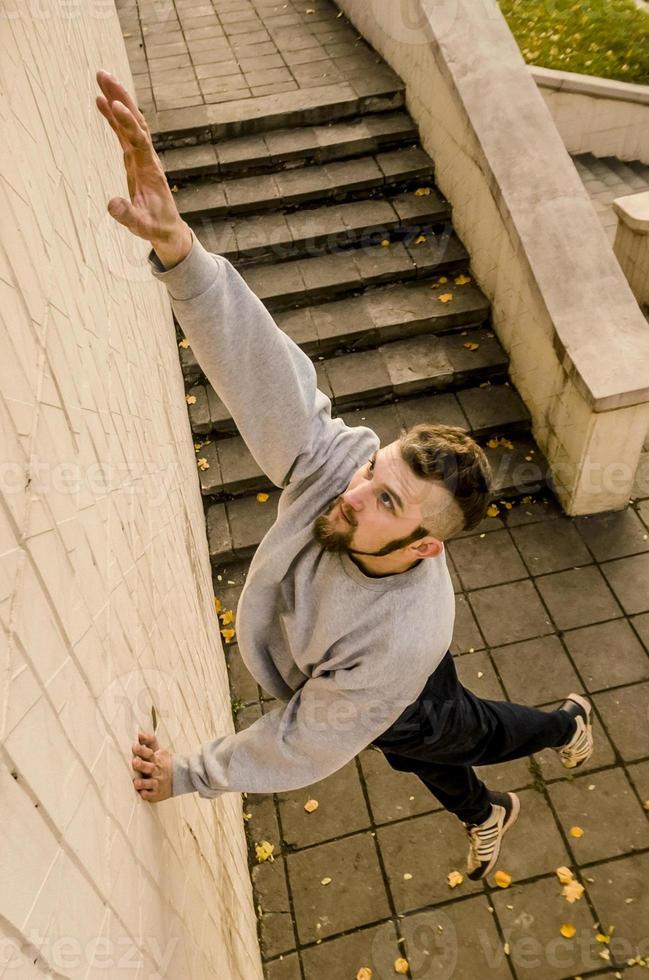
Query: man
[347,613]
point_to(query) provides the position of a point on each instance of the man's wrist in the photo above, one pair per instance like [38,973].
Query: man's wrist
[176,248]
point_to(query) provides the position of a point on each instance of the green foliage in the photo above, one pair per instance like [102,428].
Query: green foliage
[609,38]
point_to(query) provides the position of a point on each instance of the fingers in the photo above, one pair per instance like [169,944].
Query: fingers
[149,739]
[142,751]
[150,796]
[114,91]
[145,767]
[135,133]
[150,784]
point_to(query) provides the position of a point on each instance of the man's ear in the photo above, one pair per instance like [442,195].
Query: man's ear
[428,548]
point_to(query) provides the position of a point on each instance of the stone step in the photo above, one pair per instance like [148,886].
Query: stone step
[403,367]
[284,148]
[483,411]
[301,282]
[377,90]
[235,528]
[361,322]
[276,236]
[336,181]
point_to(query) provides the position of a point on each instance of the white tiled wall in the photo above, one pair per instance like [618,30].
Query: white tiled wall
[106,602]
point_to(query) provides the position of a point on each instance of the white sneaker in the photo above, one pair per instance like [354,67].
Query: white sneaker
[580,747]
[485,838]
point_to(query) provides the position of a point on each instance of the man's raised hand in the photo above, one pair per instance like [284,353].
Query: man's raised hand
[151,212]
[153,767]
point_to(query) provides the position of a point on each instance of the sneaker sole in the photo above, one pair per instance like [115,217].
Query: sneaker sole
[586,705]
[508,824]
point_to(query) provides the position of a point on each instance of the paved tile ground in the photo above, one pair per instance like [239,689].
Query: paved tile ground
[605,179]
[188,53]
[545,605]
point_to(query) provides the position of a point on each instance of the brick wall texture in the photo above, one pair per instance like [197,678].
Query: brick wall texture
[106,602]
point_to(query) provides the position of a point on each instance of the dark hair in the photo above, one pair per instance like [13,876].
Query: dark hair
[449,456]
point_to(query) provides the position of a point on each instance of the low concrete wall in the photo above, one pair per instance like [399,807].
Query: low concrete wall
[597,115]
[106,601]
[578,343]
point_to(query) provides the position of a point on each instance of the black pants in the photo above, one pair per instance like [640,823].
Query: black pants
[447,730]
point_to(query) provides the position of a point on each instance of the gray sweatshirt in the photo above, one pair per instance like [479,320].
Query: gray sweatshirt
[344,652]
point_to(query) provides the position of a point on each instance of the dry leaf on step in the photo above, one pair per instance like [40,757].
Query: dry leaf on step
[311,806]
[567,930]
[455,878]
[264,851]
[503,879]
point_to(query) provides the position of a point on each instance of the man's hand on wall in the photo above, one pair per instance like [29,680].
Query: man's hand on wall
[151,213]
[153,766]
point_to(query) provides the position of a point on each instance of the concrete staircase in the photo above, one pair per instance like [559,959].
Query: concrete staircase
[340,230]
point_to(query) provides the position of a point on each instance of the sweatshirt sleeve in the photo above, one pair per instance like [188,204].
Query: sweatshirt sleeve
[266,382]
[325,724]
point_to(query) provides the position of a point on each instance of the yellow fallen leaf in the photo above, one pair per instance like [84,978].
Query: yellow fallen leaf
[218,605]
[228,635]
[572,891]
[401,965]
[326,881]
[262,498]
[421,240]
[507,949]
[442,280]
[202,463]
[190,399]
[422,192]
[567,930]
[492,511]
[311,806]
[462,280]
[247,816]
[455,878]
[385,242]
[227,617]
[501,442]
[576,832]
[507,504]
[602,938]
[198,446]
[264,851]
[364,973]
[503,879]
[407,876]
[184,344]
[471,346]
[445,297]
[526,500]
[646,805]
[174,189]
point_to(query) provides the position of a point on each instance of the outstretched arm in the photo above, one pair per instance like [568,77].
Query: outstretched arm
[325,724]
[267,383]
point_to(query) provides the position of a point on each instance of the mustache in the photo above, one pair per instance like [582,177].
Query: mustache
[348,515]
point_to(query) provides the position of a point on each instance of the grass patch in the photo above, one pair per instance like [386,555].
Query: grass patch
[609,38]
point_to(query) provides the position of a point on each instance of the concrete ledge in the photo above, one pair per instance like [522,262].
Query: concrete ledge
[597,115]
[577,341]
[601,88]
[632,242]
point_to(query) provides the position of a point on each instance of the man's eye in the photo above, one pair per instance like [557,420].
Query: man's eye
[387,500]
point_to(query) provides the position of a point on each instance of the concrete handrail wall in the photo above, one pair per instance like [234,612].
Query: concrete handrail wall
[578,343]
[106,602]
[597,115]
